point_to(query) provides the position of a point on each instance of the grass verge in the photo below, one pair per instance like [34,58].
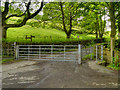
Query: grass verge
[9,61]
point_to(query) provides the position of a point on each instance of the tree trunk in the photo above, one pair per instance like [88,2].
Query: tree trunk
[101,36]
[119,26]
[113,29]
[96,31]
[70,30]
[97,26]
[63,17]
[68,36]
[101,25]
[119,30]
[119,34]
[112,48]
[4,32]
[27,14]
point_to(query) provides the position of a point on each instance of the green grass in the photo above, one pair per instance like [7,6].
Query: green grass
[43,35]
[8,61]
[113,67]
[88,56]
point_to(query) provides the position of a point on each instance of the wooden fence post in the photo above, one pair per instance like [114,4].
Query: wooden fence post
[79,54]
[14,50]
[101,52]
[96,54]
[39,51]
[17,52]
[91,51]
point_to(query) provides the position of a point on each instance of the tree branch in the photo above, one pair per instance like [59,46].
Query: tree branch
[27,17]
[5,12]
[17,25]
[28,7]
[118,16]
[27,10]
[34,14]
[15,15]
[63,18]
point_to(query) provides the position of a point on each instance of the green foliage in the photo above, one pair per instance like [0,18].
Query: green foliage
[103,62]
[92,20]
[89,25]
[114,67]
[14,20]
[33,23]
[2,8]
[114,59]
[88,56]
[71,11]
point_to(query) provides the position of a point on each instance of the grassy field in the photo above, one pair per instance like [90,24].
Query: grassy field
[43,35]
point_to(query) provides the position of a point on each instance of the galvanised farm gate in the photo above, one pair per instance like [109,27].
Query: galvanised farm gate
[52,52]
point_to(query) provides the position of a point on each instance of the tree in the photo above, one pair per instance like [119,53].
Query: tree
[26,16]
[64,13]
[118,18]
[111,7]
[93,16]
[88,23]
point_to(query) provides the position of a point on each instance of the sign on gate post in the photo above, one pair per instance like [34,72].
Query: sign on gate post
[79,54]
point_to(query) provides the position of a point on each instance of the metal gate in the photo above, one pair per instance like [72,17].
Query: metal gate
[50,52]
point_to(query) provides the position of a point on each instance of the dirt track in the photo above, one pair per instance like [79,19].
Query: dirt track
[45,74]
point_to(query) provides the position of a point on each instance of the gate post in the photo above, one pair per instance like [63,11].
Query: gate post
[51,51]
[17,52]
[96,54]
[64,52]
[91,51]
[28,52]
[79,54]
[14,50]
[39,51]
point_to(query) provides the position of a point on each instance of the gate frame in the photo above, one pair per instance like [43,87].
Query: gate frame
[79,52]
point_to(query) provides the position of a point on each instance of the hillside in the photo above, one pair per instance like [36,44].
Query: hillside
[42,35]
